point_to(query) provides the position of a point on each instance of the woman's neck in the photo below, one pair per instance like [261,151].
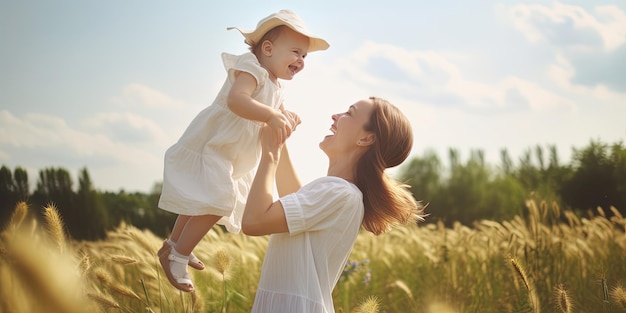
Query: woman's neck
[342,168]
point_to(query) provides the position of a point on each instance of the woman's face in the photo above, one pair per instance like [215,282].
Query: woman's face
[348,129]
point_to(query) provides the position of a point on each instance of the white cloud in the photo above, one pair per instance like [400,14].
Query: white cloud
[4,156]
[34,130]
[563,72]
[37,141]
[53,134]
[430,76]
[144,96]
[127,127]
[571,25]
[540,99]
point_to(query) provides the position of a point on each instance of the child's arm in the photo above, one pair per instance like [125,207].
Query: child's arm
[293,118]
[240,101]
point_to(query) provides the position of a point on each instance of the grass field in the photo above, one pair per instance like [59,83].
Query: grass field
[546,261]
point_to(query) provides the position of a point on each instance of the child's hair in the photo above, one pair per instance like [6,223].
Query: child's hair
[271,35]
[387,202]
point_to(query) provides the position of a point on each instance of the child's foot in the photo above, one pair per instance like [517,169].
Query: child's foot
[175,268]
[194,262]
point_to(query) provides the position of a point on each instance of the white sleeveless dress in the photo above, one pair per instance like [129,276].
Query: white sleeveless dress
[211,167]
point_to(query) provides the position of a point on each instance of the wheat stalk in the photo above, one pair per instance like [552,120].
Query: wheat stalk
[103,300]
[222,262]
[618,294]
[123,291]
[122,259]
[103,276]
[18,216]
[518,269]
[84,264]
[50,278]
[371,304]
[55,226]
[520,272]
[562,299]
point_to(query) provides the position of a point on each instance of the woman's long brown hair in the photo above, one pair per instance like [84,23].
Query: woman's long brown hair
[387,202]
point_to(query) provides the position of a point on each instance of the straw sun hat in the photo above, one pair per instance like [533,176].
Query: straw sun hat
[282,17]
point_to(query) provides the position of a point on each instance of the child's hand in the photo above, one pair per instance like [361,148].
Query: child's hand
[293,118]
[280,124]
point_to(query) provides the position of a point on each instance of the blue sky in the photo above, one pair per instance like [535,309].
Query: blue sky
[109,85]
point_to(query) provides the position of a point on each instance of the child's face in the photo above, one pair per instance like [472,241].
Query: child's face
[286,56]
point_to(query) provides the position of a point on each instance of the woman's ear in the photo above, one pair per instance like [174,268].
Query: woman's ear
[266,48]
[366,140]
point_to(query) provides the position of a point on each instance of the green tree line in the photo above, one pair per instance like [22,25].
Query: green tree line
[463,191]
[87,213]
[474,190]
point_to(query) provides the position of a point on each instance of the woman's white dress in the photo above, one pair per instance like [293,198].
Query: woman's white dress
[211,167]
[301,268]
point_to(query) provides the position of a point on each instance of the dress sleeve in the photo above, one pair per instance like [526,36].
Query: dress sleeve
[321,204]
[246,62]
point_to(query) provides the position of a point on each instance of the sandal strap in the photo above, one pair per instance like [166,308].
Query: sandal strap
[176,259]
[184,280]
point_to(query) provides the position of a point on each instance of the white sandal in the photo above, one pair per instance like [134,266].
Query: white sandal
[194,262]
[179,279]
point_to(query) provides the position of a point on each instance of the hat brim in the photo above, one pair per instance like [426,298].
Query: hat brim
[253,36]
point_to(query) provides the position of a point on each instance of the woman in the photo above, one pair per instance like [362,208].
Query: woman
[313,227]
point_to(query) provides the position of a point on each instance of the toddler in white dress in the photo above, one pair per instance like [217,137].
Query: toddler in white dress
[208,172]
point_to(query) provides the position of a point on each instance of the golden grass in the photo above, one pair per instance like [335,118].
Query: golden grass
[371,304]
[55,226]
[618,294]
[562,299]
[430,268]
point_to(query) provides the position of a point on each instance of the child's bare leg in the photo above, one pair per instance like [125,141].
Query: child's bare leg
[179,225]
[194,230]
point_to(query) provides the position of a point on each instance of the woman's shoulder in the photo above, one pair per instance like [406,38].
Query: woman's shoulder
[331,180]
[332,185]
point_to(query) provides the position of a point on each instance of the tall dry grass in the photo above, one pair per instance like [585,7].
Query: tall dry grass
[546,261]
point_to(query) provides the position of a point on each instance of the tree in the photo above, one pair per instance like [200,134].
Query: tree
[598,179]
[7,195]
[13,189]
[20,180]
[463,197]
[54,187]
[424,176]
[89,209]
[507,163]
[541,181]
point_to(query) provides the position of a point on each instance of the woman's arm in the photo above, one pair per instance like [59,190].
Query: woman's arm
[287,180]
[263,216]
